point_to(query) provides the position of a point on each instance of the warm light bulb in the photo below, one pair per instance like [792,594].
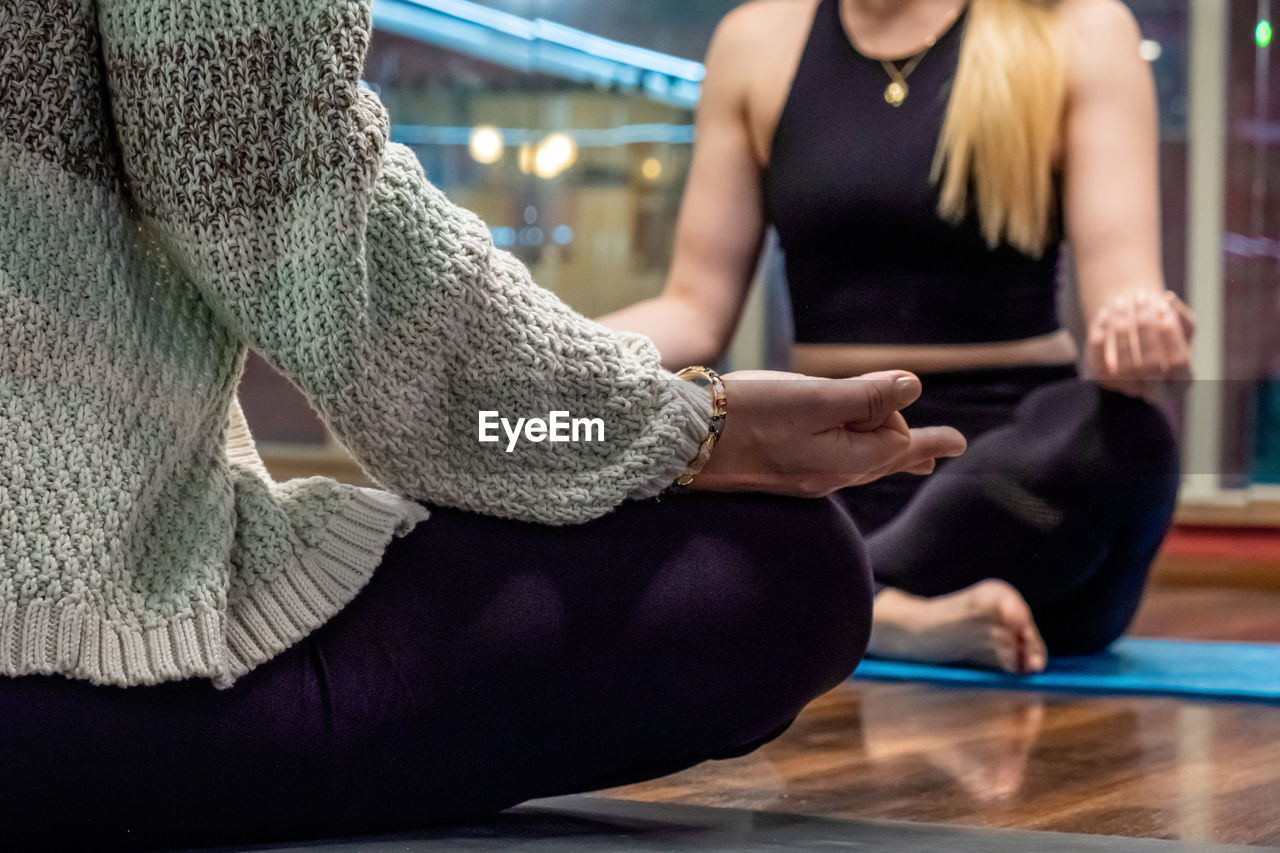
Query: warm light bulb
[526,158]
[556,153]
[651,169]
[486,144]
[545,164]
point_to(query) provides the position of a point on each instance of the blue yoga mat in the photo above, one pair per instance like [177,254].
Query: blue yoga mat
[1241,671]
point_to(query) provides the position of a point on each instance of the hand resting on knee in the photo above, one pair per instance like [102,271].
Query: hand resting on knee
[806,437]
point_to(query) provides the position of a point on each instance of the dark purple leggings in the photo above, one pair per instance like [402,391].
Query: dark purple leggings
[487,662]
[1066,492]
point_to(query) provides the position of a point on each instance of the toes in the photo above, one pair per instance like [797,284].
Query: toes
[1034,654]
[1012,608]
[1014,614]
[1016,644]
[989,599]
[988,624]
[1003,651]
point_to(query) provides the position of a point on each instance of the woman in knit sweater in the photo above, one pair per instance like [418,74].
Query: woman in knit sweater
[195,654]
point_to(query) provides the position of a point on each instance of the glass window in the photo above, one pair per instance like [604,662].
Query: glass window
[1251,299]
[567,126]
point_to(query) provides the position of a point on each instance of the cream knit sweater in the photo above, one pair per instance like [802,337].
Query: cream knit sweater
[181,180]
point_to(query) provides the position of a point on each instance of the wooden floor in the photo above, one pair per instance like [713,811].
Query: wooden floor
[1158,768]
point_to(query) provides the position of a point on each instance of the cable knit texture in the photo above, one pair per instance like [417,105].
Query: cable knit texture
[184,179]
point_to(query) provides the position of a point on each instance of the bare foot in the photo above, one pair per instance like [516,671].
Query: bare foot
[988,624]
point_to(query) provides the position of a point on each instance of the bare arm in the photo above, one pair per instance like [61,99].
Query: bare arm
[1137,335]
[721,223]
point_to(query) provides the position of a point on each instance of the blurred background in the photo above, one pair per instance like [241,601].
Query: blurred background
[567,125]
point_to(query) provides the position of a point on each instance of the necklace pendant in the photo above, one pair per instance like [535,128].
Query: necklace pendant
[895,93]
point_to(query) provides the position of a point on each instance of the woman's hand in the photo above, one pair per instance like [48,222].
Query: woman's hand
[796,435]
[1139,344]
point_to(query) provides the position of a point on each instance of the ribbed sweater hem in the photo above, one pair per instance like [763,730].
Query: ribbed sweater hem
[274,615]
[43,638]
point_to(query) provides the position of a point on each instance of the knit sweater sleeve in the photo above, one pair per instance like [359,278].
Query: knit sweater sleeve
[261,168]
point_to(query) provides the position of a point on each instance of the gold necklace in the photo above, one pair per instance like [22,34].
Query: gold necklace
[897,90]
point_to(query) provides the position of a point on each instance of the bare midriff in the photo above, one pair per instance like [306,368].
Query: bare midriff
[842,360]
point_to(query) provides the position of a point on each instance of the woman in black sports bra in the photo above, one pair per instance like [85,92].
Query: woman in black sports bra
[923,169]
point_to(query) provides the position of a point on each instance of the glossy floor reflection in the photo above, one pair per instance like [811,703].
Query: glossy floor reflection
[1153,768]
[1199,772]
[581,824]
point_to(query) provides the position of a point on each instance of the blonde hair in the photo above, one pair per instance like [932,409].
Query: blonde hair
[1002,123]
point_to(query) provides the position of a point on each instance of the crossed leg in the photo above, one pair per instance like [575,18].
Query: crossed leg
[1037,541]
[487,662]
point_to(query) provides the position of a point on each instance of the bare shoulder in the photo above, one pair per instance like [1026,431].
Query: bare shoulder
[762,18]
[752,60]
[1101,34]
[763,28]
[1099,18]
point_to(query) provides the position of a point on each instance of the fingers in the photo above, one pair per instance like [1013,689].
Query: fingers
[809,437]
[1132,341]
[1147,330]
[1186,317]
[1099,348]
[853,458]
[861,403]
[924,469]
[859,454]
[1135,309]
[928,445]
[1176,344]
[1138,344]
[936,443]
[1096,346]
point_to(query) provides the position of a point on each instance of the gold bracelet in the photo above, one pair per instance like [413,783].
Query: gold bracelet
[705,377]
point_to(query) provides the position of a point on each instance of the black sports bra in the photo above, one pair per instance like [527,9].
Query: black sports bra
[869,260]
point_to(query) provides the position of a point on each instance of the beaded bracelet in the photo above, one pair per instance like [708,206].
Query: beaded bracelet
[705,377]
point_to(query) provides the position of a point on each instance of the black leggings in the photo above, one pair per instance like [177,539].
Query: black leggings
[486,663]
[1066,492]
